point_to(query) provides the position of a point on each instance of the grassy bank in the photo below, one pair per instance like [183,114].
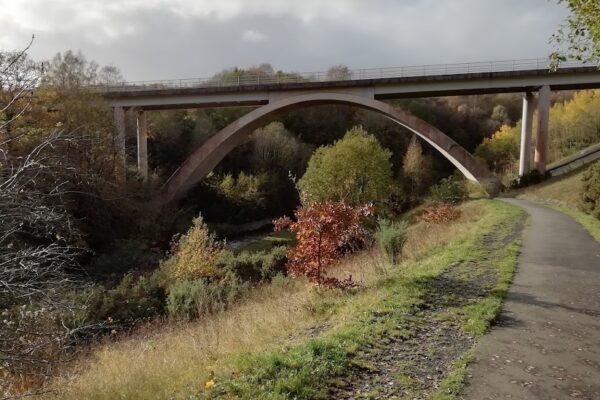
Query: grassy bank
[292,340]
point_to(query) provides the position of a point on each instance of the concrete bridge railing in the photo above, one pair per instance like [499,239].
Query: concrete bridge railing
[358,74]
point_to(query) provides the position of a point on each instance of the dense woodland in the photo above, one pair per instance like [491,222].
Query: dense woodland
[83,256]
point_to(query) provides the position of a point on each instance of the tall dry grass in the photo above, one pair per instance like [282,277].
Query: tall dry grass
[174,361]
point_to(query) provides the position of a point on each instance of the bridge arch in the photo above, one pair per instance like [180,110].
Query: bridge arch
[205,158]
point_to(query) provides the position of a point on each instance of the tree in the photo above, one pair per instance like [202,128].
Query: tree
[574,124]
[72,71]
[39,249]
[501,151]
[356,170]
[339,73]
[500,115]
[417,167]
[580,35]
[254,74]
[275,149]
[193,256]
[19,76]
[322,230]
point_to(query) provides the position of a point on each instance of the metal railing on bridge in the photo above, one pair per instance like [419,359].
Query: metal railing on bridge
[230,79]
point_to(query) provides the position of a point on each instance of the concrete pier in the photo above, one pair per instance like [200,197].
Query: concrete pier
[142,144]
[526,129]
[543,118]
[119,143]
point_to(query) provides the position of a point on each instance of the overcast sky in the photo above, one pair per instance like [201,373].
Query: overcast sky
[162,39]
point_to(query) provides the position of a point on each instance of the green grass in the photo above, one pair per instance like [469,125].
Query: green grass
[455,381]
[282,238]
[306,371]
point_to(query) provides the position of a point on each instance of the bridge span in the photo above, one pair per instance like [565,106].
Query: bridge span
[533,78]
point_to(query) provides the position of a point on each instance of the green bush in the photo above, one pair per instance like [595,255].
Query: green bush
[356,170]
[191,299]
[193,256]
[245,189]
[255,266]
[232,278]
[246,196]
[132,300]
[449,190]
[398,201]
[390,236]
[590,195]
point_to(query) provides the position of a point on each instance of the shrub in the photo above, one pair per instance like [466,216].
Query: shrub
[245,197]
[355,170]
[132,300]
[322,231]
[244,189]
[397,202]
[448,190]
[390,236]
[256,266]
[440,213]
[191,299]
[193,256]
[590,195]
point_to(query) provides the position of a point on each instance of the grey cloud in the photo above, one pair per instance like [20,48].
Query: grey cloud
[155,40]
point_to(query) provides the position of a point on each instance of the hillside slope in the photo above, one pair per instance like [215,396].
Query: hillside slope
[407,331]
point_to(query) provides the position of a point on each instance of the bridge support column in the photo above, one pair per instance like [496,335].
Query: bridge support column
[543,120]
[119,143]
[526,129]
[142,144]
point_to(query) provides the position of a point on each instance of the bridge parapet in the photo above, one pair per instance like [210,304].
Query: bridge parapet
[279,78]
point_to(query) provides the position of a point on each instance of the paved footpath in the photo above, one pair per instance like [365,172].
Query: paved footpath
[546,344]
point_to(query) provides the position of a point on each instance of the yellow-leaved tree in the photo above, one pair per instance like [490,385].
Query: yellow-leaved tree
[193,256]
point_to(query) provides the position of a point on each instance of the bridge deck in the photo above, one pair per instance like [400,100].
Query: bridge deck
[425,81]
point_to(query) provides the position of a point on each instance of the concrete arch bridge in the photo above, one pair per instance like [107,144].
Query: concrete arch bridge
[364,89]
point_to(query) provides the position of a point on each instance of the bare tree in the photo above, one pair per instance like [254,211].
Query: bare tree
[39,241]
[39,247]
[339,73]
[19,75]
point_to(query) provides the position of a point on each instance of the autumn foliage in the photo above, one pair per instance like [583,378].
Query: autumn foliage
[322,231]
[440,213]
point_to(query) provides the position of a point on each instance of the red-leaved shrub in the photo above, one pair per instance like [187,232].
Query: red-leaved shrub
[321,231]
[440,213]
